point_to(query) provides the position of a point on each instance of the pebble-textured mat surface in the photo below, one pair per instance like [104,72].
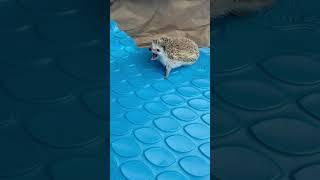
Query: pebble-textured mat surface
[53,75]
[267,94]
[160,129]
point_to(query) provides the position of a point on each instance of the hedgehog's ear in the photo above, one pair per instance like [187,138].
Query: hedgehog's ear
[164,47]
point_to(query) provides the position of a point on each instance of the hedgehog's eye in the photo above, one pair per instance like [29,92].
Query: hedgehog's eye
[149,49]
[158,50]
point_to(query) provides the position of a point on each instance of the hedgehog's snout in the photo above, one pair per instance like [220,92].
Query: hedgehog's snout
[154,53]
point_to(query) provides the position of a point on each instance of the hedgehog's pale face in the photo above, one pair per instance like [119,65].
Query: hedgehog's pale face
[156,50]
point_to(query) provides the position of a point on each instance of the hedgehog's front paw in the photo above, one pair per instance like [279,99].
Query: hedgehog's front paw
[168,69]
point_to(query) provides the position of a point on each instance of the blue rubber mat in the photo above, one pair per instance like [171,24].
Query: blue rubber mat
[160,129]
[266,94]
[52,90]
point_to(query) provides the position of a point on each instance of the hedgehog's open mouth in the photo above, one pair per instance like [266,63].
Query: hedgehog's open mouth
[154,56]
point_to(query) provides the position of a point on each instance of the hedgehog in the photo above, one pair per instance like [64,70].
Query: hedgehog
[174,52]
